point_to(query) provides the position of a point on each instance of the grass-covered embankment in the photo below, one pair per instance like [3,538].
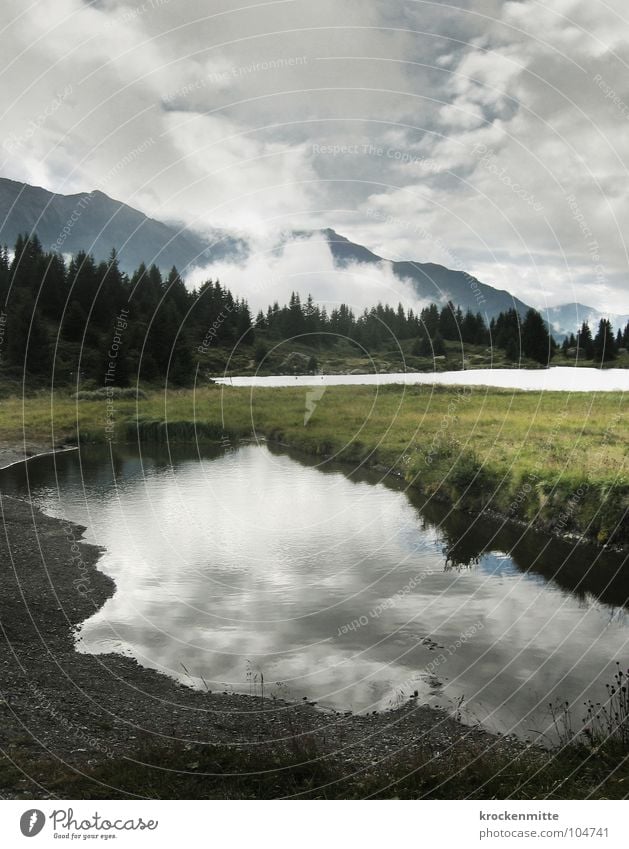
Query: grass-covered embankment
[57,727]
[554,459]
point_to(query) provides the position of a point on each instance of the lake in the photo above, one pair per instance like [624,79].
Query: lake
[555,379]
[255,567]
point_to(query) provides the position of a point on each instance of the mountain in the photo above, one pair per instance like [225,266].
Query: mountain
[96,223]
[432,282]
[440,284]
[567,318]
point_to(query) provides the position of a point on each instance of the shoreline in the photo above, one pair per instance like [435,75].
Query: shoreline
[85,726]
[15,458]
[474,451]
[387,472]
[395,475]
[82,710]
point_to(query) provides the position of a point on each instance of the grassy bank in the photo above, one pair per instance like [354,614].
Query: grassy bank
[478,448]
[557,460]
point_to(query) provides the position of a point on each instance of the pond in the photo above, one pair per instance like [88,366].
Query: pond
[258,568]
[555,379]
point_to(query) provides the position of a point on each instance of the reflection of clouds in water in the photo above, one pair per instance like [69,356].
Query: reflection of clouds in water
[247,512]
[336,675]
[254,556]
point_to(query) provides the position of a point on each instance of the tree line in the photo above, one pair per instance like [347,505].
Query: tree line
[89,320]
[602,346]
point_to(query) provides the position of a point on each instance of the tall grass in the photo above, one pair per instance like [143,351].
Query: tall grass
[607,722]
[605,725]
[303,766]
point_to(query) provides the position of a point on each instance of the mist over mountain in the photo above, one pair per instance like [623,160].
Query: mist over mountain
[432,282]
[565,318]
[94,222]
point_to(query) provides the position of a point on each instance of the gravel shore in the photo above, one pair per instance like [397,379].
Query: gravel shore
[80,708]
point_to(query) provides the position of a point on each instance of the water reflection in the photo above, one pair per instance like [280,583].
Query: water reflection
[337,587]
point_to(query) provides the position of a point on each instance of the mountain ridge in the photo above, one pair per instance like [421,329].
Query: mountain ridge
[95,222]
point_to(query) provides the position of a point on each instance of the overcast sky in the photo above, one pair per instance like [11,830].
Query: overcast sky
[488,135]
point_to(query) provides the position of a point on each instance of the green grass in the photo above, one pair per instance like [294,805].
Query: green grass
[487,447]
[557,459]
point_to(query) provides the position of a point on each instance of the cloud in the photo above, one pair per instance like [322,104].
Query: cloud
[306,265]
[451,118]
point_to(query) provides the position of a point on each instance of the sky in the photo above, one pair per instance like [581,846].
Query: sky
[487,135]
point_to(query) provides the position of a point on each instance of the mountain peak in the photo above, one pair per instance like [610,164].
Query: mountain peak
[345,251]
[105,223]
[95,222]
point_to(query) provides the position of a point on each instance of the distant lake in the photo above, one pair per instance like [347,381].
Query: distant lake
[335,586]
[556,379]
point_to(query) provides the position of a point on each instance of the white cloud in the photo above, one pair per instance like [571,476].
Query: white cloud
[236,101]
[305,265]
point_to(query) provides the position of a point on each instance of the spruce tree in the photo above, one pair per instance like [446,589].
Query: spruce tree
[604,345]
[536,340]
[585,346]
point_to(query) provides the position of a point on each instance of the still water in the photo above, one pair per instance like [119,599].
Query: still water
[233,566]
[556,379]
